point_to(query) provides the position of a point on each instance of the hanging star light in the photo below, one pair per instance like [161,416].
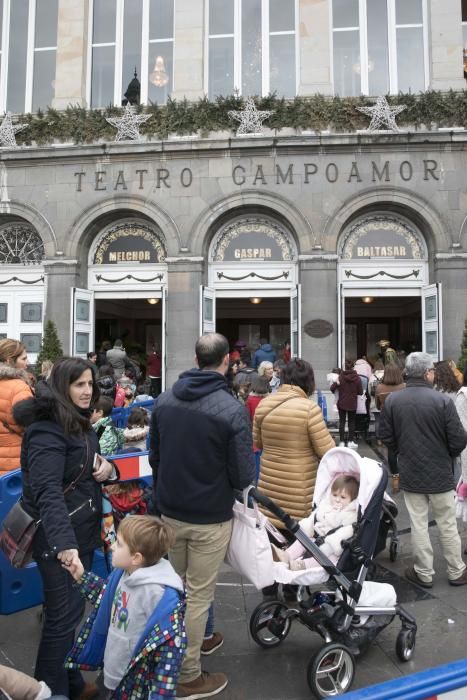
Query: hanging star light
[250,118]
[128,124]
[8,131]
[383,116]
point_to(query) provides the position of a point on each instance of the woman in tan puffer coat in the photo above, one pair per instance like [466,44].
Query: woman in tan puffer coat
[290,429]
[14,387]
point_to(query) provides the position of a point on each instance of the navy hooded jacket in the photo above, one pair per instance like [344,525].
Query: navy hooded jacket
[201,449]
[264,354]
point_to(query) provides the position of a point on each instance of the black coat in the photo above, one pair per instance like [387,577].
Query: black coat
[51,460]
[423,427]
[201,449]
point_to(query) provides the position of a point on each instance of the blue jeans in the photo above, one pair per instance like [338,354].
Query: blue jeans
[64,608]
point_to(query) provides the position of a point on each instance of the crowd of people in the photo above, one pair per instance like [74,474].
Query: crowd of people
[230,422]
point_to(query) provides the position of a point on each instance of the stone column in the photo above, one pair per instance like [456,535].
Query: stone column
[452,273]
[318,278]
[182,315]
[61,277]
[445,37]
[72,40]
[189,49]
[315,48]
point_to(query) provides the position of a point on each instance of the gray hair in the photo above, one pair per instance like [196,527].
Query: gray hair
[264,366]
[417,364]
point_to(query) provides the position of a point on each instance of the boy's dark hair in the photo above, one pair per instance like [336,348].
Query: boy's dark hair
[140,389]
[63,374]
[210,350]
[349,363]
[104,404]
[91,354]
[346,483]
[245,357]
[299,373]
[106,371]
[260,385]
[138,416]
[147,535]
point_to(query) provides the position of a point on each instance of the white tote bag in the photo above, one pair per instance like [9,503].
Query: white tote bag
[249,551]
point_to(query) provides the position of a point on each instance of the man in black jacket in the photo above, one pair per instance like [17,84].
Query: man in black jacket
[423,427]
[201,450]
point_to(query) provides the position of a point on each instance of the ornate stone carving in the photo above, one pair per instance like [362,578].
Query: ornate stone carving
[260,227]
[124,230]
[20,244]
[393,230]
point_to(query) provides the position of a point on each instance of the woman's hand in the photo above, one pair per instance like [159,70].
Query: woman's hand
[73,565]
[102,469]
[67,556]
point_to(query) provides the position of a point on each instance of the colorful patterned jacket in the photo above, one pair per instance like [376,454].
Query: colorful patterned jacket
[156,660]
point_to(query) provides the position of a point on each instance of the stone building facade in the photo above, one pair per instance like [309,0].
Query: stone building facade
[343,239]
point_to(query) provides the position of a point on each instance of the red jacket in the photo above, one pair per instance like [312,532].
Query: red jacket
[154,365]
[252,403]
[349,387]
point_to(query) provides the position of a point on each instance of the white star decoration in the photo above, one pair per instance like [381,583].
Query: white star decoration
[250,118]
[128,124]
[8,131]
[382,115]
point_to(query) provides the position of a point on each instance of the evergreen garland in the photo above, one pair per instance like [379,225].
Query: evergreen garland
[318,113]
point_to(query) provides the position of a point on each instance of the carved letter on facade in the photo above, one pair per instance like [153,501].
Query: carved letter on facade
[406,170]
[380,173]
[260,175]
[429,169]
[284,177]
[120,181]
[186,177]
[241,180]
[99,177]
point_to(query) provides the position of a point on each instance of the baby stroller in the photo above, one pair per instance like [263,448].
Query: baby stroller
[351,611]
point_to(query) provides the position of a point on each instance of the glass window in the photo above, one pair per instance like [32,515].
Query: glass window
[3,313]
[236,60]
[102,79]
[464,34]
[161,19]
[31,312]
[347,69]
[409,12]
[345,13]
[16,87]
[44,79]
[378,54]
[410,63]
[104,21]
[46,24]
[132,36]
[160,55]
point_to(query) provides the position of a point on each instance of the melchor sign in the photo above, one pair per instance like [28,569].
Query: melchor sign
[260,174]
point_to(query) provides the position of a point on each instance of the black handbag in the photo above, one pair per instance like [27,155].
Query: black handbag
[19,527]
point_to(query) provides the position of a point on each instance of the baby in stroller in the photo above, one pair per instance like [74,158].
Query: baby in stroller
[329,524]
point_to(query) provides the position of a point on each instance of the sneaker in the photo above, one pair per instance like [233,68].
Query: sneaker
[205,686]
[460,581]
[209,645]
[413,577]
[352,445]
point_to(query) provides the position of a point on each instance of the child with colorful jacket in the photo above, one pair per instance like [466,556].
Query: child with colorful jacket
[136,630]
[111,439]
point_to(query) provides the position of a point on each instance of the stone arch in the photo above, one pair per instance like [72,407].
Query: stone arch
[272,205]
[84,229]
[14,210]
[414,208]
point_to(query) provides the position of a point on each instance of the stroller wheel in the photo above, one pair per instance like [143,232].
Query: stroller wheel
[393,551]
[268,624]
[331,671]
[405,644]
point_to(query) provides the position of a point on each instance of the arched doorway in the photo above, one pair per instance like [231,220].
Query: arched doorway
[253,289]
[126,293]
[384,290]
[22,284]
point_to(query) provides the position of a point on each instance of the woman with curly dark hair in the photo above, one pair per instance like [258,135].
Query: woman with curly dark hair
[445,379]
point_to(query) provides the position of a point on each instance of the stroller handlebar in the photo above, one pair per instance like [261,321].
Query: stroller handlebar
[276,510]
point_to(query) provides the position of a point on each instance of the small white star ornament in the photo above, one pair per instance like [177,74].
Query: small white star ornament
[250,118]
[8,131]
[383,116]
[128,124]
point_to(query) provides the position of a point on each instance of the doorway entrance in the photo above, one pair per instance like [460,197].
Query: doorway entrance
[250,319]
[371,319]
[137,322]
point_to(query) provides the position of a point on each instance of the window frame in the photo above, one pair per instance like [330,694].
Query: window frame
[237,42]
[392,29]
[31,51]
[143,72]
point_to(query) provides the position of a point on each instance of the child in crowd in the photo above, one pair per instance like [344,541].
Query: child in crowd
[329,524]
[110,438]
[137,430]
[259,389]
[136,630]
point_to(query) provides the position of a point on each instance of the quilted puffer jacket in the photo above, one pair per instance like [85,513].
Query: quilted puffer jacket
[201,449]
[14,387]
[423,427]
[290,428]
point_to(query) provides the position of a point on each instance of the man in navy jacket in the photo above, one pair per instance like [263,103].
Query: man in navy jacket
[201,451]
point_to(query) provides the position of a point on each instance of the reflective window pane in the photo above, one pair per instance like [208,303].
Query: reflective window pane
[104,21]
[410,60]
[46,23]
[1,21]
[44,79]
[378,57]
[17,58]
[102,78]
[251,47]
[282,65]
[409,12]
[464,34]
[221,67]
[160,71]
[281,15]
[161,19]
[345,13]
[131,59]
[464,10]
[346,56]
[221,16]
